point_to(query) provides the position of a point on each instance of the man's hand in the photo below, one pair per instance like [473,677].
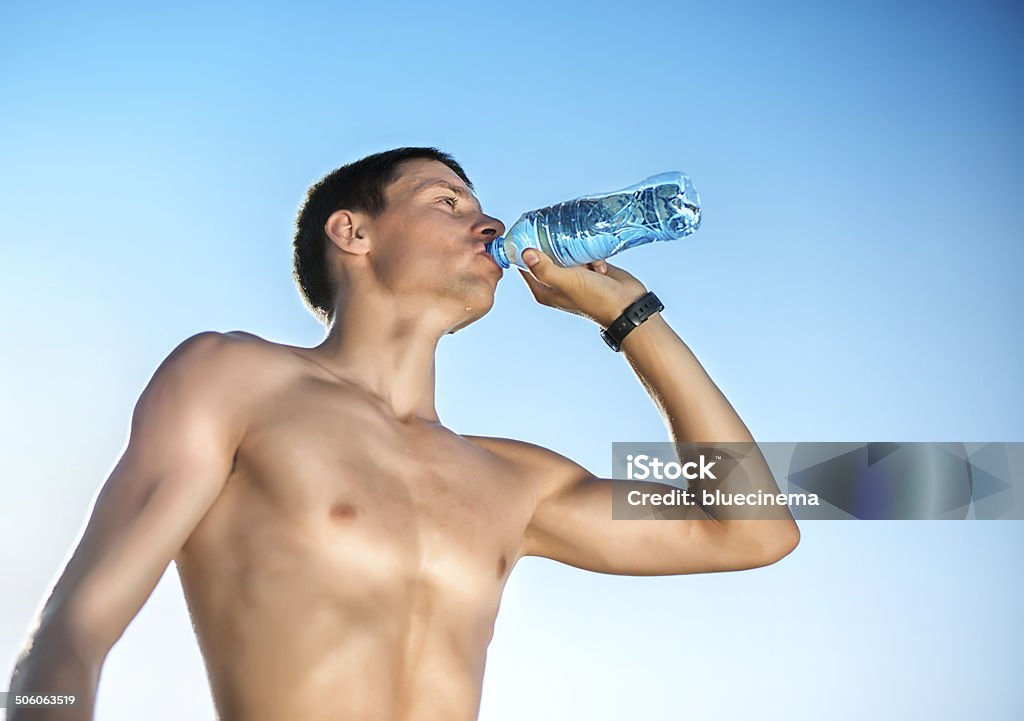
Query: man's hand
[598,291]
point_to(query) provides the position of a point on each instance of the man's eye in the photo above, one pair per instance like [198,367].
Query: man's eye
[454,200]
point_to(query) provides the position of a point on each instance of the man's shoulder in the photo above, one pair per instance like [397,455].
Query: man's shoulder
[246,335]
[235,360]
[509,448]
[244,343]
[266,351]
[213,349]
[543,466]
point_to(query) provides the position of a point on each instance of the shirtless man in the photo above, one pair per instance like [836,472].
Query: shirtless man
[342,553]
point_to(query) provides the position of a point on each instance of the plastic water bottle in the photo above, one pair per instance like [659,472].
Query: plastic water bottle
[594,227]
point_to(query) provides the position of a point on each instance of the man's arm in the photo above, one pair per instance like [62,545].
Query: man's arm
[573,521]
[184,432]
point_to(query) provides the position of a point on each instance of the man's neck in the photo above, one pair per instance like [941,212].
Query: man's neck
[386,347]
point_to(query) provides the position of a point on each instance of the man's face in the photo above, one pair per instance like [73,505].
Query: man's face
[429,240]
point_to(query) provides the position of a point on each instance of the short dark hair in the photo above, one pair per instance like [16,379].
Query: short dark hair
[359,187]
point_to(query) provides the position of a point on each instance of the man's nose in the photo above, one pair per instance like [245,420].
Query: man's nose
[491,227]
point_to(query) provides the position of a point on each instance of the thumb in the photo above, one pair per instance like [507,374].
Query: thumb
[531,256]
[540,264]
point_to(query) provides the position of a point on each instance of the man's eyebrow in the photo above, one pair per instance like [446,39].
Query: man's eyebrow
[461,192]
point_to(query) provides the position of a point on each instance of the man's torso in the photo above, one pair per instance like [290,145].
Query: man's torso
[352,566]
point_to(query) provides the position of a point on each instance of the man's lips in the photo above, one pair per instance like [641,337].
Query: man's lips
[483,251]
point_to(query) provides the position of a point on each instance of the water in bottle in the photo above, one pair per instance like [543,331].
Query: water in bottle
[662,207]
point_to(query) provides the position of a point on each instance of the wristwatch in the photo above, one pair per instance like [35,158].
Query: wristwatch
[633,316]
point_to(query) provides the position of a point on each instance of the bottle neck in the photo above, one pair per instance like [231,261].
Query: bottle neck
[496,248]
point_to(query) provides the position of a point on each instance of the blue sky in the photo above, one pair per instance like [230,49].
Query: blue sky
[855,278]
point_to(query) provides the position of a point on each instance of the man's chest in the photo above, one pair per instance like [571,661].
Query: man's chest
[375,497]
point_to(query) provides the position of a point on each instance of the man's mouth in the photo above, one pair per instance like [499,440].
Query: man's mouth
[483,251]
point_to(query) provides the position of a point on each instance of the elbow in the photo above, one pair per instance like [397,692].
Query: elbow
[781,544]
[82,636]
[757,546]
[55,650]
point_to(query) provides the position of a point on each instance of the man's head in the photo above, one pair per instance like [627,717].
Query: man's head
[404,220]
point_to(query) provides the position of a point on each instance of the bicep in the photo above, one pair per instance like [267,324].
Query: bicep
[179,454]
[575,524]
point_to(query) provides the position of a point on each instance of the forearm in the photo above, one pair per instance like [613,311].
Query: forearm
[694,408]
[55,662]
[696,411]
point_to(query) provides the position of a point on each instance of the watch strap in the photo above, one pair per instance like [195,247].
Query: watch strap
[633,316]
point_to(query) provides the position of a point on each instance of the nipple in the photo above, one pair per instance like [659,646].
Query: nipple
[343,511]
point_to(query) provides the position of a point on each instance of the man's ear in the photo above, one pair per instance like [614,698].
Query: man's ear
[347,231]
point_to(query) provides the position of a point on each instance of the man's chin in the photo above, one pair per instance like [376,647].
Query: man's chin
[475,314]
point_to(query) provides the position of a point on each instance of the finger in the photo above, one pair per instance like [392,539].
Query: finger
[544,269]
[599,266]
[613,271]
[542,293]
